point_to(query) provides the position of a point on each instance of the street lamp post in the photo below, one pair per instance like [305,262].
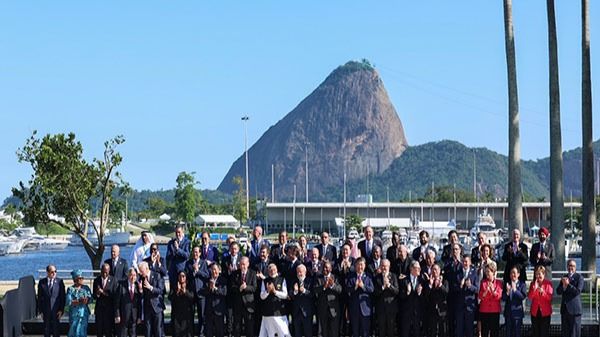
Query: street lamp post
[245,120]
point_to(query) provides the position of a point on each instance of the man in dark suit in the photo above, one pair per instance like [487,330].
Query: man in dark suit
[570,288]
[542,253]
[447,252]
[411,302]
[197,273]
[436,305]
[402,262]
[374,263]
[278,255]
[386,305]
[253,251]
[152,287]
[451,270]
[419,253]
[178,252]
[314,267]
[366,246]
[427,264]
[301,295]
[118,265]
[51,301]
[156,262]
[290,264]
[243,286]
[327,289]
[105,288]
[360,287]
[343,267]
[128,300]
[327,251]
[515,254]
[476,251]
[513,295]
[208,252]
[392,252]
[229,264]
[466,304]
[215,292]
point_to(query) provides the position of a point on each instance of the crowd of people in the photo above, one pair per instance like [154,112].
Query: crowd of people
[282,289]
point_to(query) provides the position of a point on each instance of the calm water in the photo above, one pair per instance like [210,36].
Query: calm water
[16,266]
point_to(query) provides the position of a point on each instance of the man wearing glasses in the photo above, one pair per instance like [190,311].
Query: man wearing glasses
[156,262]
[570,288]
[51,301]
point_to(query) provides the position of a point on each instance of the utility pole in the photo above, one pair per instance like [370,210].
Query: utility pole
[272,183]
[245,120]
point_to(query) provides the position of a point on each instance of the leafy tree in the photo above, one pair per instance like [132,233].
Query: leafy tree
[239,200]
[63,184]
[355,221]
[186,197]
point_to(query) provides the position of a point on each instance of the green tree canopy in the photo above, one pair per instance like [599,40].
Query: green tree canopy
[186,197]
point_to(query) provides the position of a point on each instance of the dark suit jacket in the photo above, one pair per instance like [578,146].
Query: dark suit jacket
[161,270]
[401,267]
[302,303]
[386,299]
[277,255]
[436,300]
[253,251]
[262,267]
[513,301]
[176,258]
[570,302]
[359,299]
[215,299]
[153,300]
[363,249]
[310,268]
[372,268]
[447,253]
[227,262]
[519,259]
[416,253]
[288,270]
[120,271]
[342,273]
[330,254]
[392,254]
[49,303]
[545,261]
[125,307]
[475,255]
[467,296]
[210,253]
[243,299]
[105,303]
[197,279]
[411,303]
[328,304]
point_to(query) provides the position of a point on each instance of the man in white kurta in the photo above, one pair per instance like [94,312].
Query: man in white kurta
[273,292]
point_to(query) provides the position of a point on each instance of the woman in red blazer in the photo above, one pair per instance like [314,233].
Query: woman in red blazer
[540,294]
[490,295]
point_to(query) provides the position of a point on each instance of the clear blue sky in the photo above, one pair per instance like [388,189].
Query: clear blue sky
[175,77]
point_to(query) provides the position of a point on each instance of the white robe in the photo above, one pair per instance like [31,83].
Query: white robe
[272,325]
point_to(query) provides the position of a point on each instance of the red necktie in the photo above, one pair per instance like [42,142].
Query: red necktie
[244,277]
[131,292]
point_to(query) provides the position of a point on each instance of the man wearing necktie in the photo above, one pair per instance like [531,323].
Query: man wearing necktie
[570,289]
[253,251]
[366,246]
[51,301]
[244,287]
[104,288]
[118,266]
[327,251]
[127,305]
[542,253]
[302,303]
[360,288]
[411,302]
[515,254]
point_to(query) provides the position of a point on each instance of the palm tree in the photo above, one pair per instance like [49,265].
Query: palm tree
[515,209]
[587,168]
[556,162]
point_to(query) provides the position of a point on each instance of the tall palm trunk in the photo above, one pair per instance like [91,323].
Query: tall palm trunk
[515,208]
[556,162]
[587,168]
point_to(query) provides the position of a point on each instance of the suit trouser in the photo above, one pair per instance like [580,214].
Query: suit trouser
[200,302]
[386,323]
[240,314]
[513,326]
[330,326]
[105,323]
[361,325]
[571,325]
[128,327]
[302,325]
[540,326]
[214,325]
[436,326]
[153,323]
[464,323]
[51,325]
[490,324]
[411,324]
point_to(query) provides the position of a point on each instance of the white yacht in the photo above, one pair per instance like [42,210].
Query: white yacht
[12,244]
[110,238]
[485,224]
[39,242]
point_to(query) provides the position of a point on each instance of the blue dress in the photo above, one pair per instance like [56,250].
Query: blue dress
[79,313]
